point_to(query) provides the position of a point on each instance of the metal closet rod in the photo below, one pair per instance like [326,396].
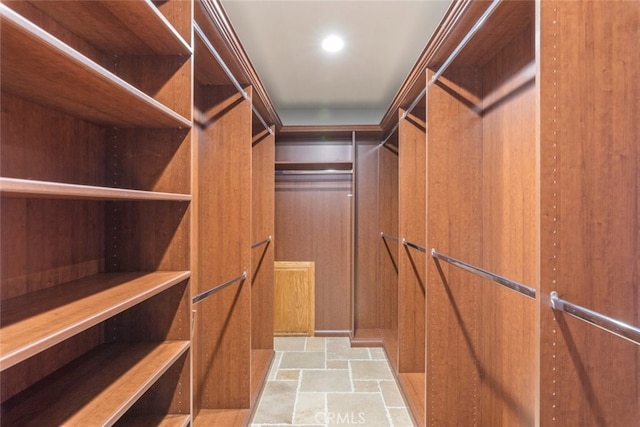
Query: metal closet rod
[413,245]
[313,172]
[518,287]
[196,299]
[229,74]
[472,32]
[609,324]
[393,130]
[389,236]
[261,242]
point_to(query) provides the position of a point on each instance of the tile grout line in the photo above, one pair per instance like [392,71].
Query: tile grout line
[297,399]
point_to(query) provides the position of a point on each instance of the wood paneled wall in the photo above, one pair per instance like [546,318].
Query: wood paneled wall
[314,218]
[590,217]
[313,223]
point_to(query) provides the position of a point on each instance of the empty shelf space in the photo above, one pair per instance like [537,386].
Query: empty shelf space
[207,69]
[171,420]
[118,373]
[42,69]
[319,166]
[39,320]
[260,363]
[126,27]
[222,417]
[414,388]
[15,187]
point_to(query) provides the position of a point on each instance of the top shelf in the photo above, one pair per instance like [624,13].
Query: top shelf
[505,22]
[314,166]
[126,27]
[39,67]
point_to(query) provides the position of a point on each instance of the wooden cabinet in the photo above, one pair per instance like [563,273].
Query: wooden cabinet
[95,213]
[294,297]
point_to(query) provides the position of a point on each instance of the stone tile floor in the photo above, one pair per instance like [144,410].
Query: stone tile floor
[324,382]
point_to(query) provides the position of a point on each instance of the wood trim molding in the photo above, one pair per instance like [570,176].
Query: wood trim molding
[336,129]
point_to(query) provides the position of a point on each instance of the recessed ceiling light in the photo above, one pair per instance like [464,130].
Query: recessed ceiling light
[332,43]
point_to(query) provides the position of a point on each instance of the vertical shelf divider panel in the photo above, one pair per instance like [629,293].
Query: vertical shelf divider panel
[388,249]
[454,200]
[222,345]
[589,179]
[95,216]
[510,227]
[262,256]
[367,297]
[411,262]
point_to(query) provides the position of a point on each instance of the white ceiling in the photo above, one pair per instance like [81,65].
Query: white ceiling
[383,40]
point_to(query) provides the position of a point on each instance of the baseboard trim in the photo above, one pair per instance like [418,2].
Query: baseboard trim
[332,333]
[366,338]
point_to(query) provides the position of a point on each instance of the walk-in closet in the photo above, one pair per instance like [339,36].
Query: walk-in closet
[482,240]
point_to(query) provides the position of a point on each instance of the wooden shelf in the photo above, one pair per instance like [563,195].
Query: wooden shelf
[42,69]
[507,20]
[14,187]
[338,165]
[126,28]
[118,373]
[37,321]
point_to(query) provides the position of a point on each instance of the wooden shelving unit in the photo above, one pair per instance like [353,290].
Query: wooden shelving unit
[121,372]
[95,188]
[136,28]
[481,204]
[34,322]
[223,355]
[39,67]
